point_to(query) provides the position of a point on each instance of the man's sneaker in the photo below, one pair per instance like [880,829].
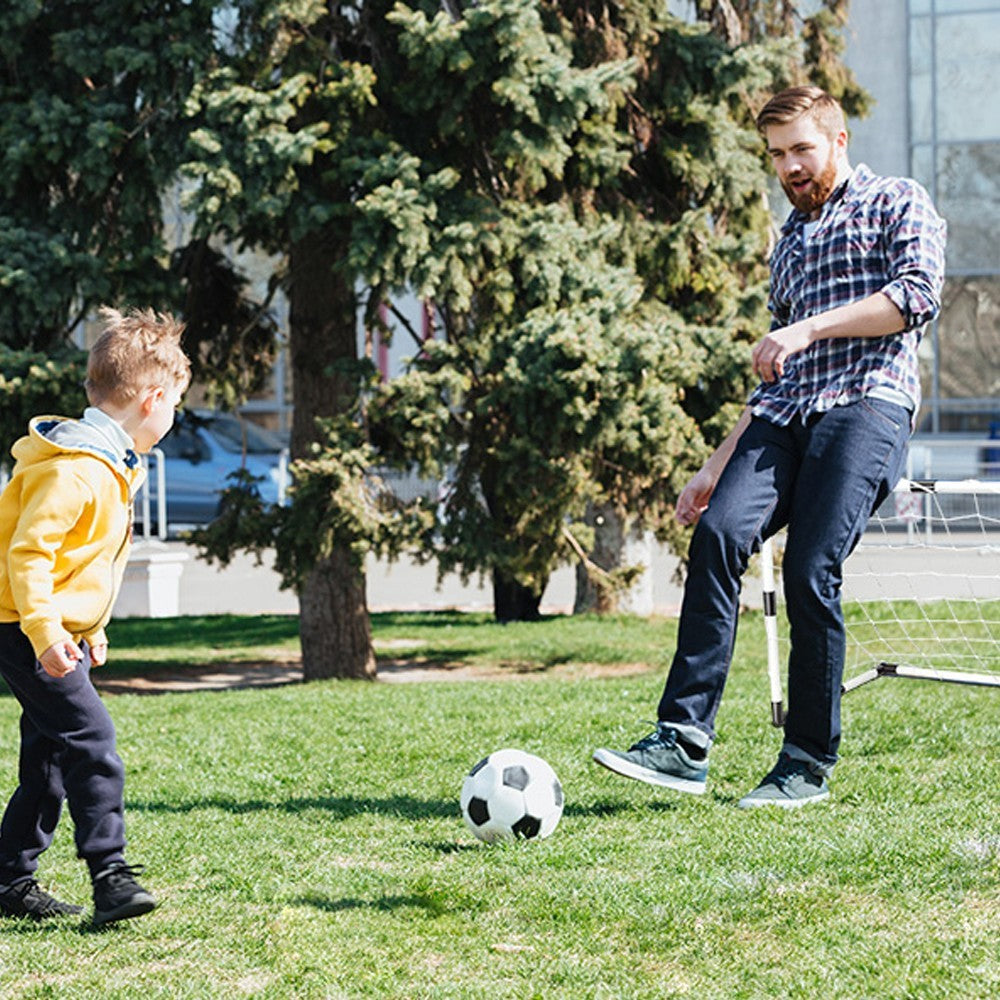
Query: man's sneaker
[28,899]
[790,783]
[117,895]
[660,759]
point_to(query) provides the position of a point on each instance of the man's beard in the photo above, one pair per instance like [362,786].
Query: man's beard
[815,196]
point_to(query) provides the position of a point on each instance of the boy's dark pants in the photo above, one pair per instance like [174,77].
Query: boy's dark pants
[67,751]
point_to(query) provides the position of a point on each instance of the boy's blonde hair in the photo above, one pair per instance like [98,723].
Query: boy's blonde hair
[138,349]
[791,104]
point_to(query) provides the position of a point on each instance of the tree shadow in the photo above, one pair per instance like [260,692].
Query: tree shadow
[443,618]
[383,904]
[338,807]
[221,631]
[604,807]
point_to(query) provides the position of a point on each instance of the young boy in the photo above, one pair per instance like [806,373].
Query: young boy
[65,533]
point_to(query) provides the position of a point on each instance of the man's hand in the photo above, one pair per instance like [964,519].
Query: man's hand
[60,658]
[770,354]
[695,496]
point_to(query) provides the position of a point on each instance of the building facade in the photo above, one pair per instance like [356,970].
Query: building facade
[933,67]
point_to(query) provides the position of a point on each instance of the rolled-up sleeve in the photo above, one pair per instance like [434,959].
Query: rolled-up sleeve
[915,239]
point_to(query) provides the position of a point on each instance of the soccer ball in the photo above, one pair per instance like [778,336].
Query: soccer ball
[511,794]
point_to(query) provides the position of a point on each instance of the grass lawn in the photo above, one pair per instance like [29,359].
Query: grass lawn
[305,841]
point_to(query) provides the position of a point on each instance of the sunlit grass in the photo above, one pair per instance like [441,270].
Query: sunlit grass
[305,841]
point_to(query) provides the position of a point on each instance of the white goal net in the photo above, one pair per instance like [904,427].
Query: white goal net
[921,592]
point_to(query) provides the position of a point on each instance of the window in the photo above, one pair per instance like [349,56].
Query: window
[955,153]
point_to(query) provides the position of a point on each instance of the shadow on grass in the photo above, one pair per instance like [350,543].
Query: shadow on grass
[223,631]
[344,807]
[27,927]
[447,618]
[384,904]
[433,902]
[448,846]
[602,808]
[338,807]
[227,631]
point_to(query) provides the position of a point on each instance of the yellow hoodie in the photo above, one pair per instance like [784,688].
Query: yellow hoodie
[65,532]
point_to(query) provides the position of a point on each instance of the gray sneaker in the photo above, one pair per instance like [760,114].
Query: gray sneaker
[658,759]
[789,784]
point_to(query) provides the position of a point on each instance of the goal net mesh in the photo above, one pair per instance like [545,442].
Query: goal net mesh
[921,593]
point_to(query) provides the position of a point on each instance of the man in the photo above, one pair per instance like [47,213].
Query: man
[855,276]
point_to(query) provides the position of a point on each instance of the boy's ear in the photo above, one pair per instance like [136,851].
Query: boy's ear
[150,398]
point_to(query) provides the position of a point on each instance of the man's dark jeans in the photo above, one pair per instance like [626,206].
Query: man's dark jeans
[822,480]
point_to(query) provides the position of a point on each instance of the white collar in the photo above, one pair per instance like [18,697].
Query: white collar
[110,429]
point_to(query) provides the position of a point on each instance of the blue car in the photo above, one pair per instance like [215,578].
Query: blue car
[199,452]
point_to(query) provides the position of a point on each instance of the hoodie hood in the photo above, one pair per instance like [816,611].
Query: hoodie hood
[49,436]
[66,528]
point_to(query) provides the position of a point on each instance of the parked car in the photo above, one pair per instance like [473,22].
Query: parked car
[199,453]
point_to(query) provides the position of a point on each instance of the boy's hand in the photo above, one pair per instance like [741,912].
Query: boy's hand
[99,654]
[60,658]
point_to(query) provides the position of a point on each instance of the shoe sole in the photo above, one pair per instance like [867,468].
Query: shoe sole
[635,771]
[782,803]
[133,908]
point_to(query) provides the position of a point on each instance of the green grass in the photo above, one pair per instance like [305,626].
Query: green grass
[305,841]
[425,638]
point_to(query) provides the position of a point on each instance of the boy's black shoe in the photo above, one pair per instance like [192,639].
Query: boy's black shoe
[117,895]
[28,899]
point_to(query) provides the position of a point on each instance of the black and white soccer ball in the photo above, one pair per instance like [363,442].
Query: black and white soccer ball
[511,794]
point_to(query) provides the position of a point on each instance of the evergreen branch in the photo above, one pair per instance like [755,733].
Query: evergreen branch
[588,563]
[407,325]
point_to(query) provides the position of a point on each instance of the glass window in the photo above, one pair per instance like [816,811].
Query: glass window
[953,6]
[183,442]
[967,53]
[968,196]
[969,345]
[954,49]
[237,435]
[922,166]
[921,81]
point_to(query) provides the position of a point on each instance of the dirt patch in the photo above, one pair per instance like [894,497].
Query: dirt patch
[206,677]
[272,673]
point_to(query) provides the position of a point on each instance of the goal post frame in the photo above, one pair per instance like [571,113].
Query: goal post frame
[924,487]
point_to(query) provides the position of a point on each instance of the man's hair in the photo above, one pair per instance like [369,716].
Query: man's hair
[791,104]
[137,350]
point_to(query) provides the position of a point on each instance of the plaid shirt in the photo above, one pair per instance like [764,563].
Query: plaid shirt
[874,234]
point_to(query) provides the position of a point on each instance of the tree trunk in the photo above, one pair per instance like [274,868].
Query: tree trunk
[613,548]
[606,554]
[512,601]
[334,628]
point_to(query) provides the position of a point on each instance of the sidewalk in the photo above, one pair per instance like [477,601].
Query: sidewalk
[874,572]
[245,588]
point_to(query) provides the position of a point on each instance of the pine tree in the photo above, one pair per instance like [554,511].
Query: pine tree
[576,187]
[706,122]
[89,96]
[599,274]
[92,134]
[280,132]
